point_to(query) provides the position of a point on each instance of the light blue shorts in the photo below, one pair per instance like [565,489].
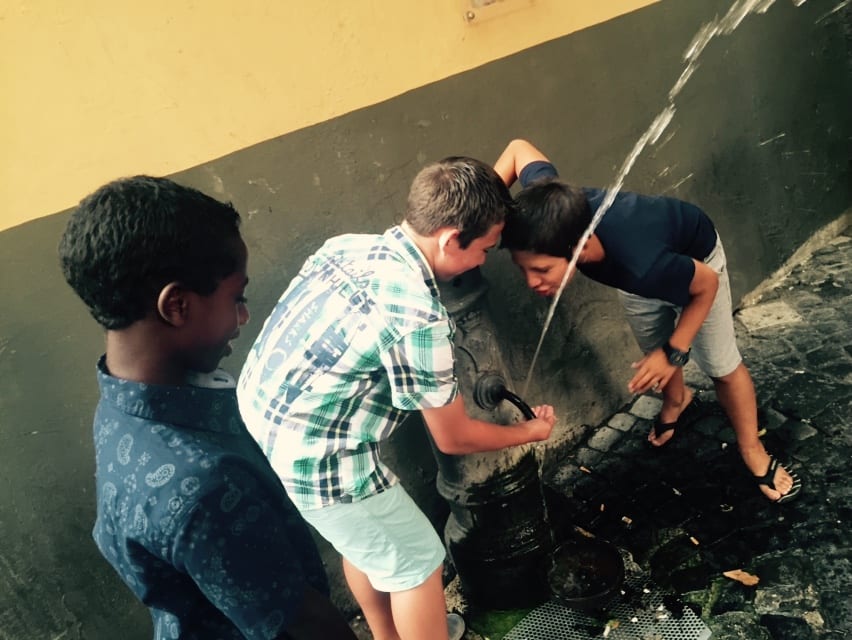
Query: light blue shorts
[714,349]
[386,536]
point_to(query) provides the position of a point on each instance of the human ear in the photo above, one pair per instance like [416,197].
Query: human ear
[173,304]
[446,238]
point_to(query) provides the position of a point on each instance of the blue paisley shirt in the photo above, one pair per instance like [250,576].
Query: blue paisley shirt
[191,515]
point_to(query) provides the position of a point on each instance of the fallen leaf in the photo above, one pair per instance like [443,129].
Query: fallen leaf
[741,576]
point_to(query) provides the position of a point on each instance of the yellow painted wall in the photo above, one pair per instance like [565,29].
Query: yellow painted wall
[95,89]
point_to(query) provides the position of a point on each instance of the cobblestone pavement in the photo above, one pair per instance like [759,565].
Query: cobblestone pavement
[688,512]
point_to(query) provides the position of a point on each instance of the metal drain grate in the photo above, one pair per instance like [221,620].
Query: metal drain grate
[641,616]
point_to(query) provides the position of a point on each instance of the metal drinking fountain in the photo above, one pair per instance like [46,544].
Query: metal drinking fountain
[497,533]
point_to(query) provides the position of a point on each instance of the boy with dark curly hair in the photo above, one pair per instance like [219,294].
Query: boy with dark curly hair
[189,512]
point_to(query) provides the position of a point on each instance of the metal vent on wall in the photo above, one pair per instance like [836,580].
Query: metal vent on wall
[644,615]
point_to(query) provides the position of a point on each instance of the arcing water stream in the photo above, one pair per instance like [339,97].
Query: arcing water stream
[720,26]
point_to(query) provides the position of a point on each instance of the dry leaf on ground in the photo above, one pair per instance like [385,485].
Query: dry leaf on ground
[741,576]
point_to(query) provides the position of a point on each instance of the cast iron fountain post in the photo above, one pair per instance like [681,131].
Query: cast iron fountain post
[497,533]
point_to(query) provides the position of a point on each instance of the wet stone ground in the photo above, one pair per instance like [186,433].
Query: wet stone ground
[689,512]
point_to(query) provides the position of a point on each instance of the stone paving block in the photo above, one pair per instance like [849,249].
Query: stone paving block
[806,303]
[622,421]
[737,625]
[565,477]
[801,430]
[710,425]
[769,418]
[835,610]
[805,394]
[731,596]
[632,444]
[786,597]
[835,418]
[833,289]
[766,348]
[820,315]
[840,371]
[646,407]
[787,363]
[588,457]
[604,438]
[769,314]
[786,626]
[827,258]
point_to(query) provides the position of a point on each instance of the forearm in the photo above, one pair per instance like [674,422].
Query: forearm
[703,292]
[456,433]
[691,319]
[475,436]
[517,154]
[655,369]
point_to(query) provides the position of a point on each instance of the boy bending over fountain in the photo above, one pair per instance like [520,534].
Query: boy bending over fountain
[667,261]
[358,340]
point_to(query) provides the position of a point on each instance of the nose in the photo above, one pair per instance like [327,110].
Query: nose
[532,279]
[244,314]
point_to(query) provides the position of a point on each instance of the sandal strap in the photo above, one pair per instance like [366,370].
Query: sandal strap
[663,427]
[768,478]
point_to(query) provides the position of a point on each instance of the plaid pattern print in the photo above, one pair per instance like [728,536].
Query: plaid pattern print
[358,339]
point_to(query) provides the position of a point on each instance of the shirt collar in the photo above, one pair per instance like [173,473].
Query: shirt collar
[207,409]
[412,254]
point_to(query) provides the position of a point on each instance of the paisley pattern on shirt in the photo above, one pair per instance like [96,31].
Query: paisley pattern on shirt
[191,515]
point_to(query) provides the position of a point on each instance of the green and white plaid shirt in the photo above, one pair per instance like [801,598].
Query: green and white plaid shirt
[358,339]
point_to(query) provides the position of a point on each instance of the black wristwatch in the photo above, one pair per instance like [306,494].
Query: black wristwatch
[676,357]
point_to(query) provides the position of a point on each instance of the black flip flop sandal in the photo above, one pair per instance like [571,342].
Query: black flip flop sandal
[694,410]
[768,479]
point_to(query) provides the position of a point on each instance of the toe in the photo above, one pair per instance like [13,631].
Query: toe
[786,485]
[659,441]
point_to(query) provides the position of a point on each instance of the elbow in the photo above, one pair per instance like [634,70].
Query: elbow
[713,286]
[516,145]
[452,446]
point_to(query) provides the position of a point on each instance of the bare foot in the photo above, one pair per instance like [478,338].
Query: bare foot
[757,461]
[669,415]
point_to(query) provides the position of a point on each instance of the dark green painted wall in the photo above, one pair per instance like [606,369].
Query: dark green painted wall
[760,139]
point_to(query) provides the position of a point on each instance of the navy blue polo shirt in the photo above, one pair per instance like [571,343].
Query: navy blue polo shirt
[191,515]
[649,241]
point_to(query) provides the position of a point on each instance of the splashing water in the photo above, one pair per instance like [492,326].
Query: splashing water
[720,26]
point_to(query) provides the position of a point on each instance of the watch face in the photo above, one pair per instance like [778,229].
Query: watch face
[679,358]
[676,357]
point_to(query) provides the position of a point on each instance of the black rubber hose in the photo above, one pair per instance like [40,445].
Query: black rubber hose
[520,404]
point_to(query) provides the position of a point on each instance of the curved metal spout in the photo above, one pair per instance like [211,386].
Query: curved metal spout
[490,389]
